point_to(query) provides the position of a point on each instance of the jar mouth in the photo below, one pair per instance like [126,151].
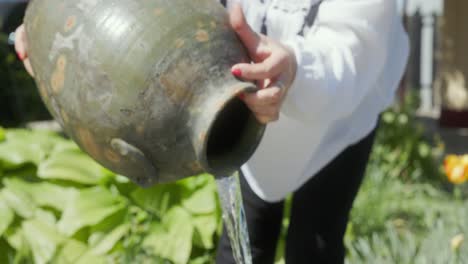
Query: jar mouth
[232,134]
[232,139]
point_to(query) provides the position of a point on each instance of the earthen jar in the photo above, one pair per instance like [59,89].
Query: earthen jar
[144,86]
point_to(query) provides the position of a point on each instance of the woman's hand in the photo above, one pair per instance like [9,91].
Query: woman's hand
[21,47]
[273,69]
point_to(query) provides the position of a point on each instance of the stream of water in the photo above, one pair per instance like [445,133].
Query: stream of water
[234,217]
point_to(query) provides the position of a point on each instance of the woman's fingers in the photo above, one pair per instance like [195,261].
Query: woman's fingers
[269,68]
[265,119]
[20,42]
[27,65]
[264,97]
[21,47]
[266,103]
[273,61]
[238,22]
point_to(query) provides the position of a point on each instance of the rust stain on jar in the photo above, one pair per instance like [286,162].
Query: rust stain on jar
[112,156]
[43,91]
[213,24]
[176,92]
[202,137]
[61,63]
[57,81]
[140,129]
[178,89]
[88,142]
[179,43]
[158,11]
[70,23]
[202,36]
[195,167]
[65,117]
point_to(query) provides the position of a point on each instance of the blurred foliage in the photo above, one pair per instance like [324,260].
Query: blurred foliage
[59,206]
[401,149]
[405,212]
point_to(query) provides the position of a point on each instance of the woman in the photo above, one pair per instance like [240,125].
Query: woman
[327,68]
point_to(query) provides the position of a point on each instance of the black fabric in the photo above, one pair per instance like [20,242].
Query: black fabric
[319,214]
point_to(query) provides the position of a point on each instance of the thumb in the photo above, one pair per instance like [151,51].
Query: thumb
[20,43]
[238,22]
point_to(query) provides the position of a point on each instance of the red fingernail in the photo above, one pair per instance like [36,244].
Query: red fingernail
[20,56]
[237,72]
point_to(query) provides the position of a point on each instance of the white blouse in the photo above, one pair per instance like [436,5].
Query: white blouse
[351,56]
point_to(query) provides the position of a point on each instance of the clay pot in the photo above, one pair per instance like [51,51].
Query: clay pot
[144,86]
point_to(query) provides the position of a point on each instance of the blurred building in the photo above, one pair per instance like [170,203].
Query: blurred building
[450,87]
[438,67]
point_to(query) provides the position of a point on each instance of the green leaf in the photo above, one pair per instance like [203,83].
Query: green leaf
[76,252]
[90,258]
[16,239]
[89,207]
[108,242]
[72,165]
[6,216]
[157,199]
[65,145]
[202,201]
[98,231]
[24,146]
[45,217]
[43,194]
[28,171]
[424,149]
[196,182]
[7,253]
[14,155]
[2,134]
[70,251]
[205,259]
[42,238]
[205,229]
[44,138]
[18,200]
[172,239]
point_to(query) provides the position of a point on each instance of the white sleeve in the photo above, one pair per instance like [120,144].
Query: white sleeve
[340,59]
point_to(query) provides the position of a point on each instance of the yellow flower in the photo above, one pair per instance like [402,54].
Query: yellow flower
[456,168]
[457,241]
[464,159]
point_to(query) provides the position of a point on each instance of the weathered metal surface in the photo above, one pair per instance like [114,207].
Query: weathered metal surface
[144,87]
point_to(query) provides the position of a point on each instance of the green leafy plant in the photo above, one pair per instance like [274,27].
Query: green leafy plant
[59,206]
[404,212]
[402,149]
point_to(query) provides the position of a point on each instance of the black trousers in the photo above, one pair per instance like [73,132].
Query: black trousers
[319,214]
